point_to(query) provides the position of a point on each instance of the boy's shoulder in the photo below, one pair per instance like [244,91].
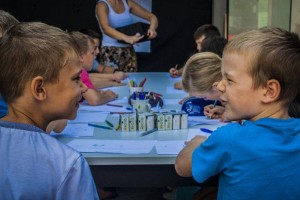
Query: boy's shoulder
[22,135]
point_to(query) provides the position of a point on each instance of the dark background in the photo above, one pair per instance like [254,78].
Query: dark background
[177,22]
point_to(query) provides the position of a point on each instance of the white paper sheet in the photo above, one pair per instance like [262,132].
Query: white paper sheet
[87,117]
[198,120]
[113,146]
[76,130]
[102,108]
[169,147]
[171,101]
[172,90]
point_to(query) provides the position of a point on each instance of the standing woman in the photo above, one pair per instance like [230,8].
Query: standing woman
[112,14]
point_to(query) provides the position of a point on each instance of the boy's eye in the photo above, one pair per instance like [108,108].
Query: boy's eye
[77,78]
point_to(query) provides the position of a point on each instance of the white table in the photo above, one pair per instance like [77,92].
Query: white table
[140,170]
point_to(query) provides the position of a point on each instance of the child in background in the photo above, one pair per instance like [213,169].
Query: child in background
[93,96]
[201,75]
[35,165]
[213,44]
[103,76]
[260,70]
[203,32]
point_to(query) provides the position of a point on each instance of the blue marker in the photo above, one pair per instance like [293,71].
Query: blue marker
[205,130]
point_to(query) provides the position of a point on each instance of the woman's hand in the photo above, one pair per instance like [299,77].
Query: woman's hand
[151,33]
[133,39]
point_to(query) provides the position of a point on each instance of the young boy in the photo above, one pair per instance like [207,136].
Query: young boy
[260,157]
[203,32]
[88,51]
[47,87]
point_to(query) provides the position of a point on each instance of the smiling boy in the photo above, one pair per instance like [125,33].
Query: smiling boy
[260,157]
[46,87]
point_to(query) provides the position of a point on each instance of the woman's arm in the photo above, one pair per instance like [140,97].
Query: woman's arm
[102,16]
[139,11]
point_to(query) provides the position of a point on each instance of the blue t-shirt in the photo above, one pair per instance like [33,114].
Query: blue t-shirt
[36,166]
[255,160]
[3,107]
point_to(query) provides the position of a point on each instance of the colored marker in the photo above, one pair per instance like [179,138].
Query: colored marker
[99,126]
[205,130]
[148,132]
[214,105]
[115,105]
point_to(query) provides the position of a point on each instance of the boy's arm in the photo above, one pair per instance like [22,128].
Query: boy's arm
[183,163]
[95,97]
[117,76]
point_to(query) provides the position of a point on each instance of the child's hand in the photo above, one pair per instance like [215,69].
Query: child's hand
[119,76]
[214,112]
[174,72]
[178,85]
[109,95]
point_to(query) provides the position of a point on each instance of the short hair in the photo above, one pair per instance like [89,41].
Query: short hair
[270,53]
[6,21]
[83,41]
[92,33]
[31,49]
[214,44]
[201,71]
[208,30]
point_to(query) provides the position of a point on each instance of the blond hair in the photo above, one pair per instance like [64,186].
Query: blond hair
[201,71]
[83,41]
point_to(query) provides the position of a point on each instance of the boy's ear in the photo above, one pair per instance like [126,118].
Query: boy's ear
[215,84]
[38,89]
[271,91]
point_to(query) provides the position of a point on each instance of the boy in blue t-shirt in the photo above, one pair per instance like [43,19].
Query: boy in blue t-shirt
[260,157]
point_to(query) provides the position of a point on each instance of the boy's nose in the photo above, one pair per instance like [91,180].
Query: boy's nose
[221,86]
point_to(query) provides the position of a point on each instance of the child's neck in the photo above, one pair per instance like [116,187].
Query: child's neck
[19,115]
[277,111]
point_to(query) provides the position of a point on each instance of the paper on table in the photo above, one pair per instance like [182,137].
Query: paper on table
[171,101]
[198,120]
[113,146]
[102,108]
[169,147]
[193,132]
[172,90]
[196,131]
[87,117]
[76,130]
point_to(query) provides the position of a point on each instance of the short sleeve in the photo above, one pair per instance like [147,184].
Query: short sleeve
[79,183]
[210,158]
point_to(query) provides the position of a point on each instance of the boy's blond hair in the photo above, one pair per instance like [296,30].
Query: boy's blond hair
[83,41]
[31,49]
[271,53]
[201,71]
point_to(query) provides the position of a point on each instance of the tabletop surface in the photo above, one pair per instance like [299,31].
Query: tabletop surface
[160,83]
